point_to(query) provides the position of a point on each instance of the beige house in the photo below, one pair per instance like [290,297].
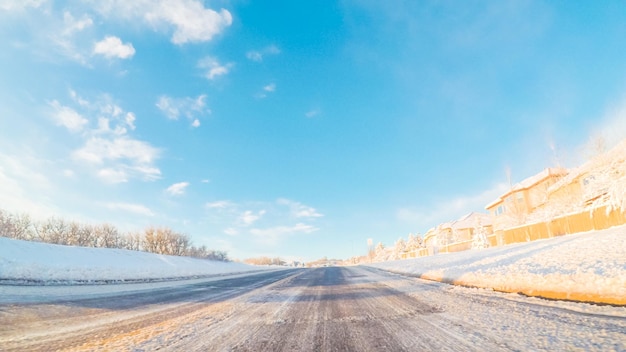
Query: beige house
[513,207]
[461,230]
[466,227]
[600,181]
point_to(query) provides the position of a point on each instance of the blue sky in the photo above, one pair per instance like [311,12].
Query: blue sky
[297,128]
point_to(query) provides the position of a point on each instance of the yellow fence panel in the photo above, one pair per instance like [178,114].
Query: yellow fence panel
[596,219]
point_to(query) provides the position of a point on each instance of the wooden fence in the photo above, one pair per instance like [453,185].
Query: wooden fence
[596,219]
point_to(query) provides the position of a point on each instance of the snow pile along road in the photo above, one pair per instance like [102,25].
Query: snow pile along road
[31,262]
[587,267]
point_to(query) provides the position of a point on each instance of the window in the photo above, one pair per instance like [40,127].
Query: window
[499,210]
[587,180]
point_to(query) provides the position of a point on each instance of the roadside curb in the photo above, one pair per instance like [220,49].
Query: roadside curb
[581,297]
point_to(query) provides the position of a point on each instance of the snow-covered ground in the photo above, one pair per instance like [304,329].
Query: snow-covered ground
[582,267]
[23,262]
[588,267]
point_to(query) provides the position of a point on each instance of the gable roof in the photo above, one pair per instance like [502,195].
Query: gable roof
[471,220]
[618,153]
[530,182]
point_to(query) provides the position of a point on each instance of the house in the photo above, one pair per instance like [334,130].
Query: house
[467,226]
[600,181]
[461,231]
[513,207]
[430,240]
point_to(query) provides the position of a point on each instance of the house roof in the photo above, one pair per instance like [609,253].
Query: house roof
[467,221]
[471,220]
[616,153]
[530,182]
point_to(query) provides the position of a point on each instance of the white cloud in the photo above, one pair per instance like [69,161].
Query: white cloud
[312,113]
[68,36]
[73,25]
[270,88]
[78,99]
[213,67]
[67,117]
[249,217]
[130,207]
[17,5]
[451,209]
[110,175]
[192,22]
[121,157]
[254,56]
[231,231]
[258,55]
[273,234]
[299,210]
[220,204]
[130,120]
[177,189]
[174,108]
[97,150]
[112,47]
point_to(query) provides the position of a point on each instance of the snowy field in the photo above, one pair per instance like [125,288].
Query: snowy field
[23,262]
[587,267]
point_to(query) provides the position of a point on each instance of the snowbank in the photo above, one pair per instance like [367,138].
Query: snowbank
[587,267]
[32,262]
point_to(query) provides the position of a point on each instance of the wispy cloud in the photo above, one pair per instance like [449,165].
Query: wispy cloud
[190,108]
[249,217]
[299,210]
[266,221]
[272,235]
[213,68]
[137,209]
[125,157]
[220,204]
[108,148]
[312,113]
[270,88]
[112,47]
[258,55]
[18,5]
[67,117]
[67,38]
[177,189]
[450,209]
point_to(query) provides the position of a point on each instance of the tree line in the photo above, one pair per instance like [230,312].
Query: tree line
[159,240]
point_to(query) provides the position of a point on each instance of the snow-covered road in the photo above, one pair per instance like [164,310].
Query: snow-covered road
[322,309]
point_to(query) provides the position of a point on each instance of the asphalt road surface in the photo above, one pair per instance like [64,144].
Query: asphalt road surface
[322,309]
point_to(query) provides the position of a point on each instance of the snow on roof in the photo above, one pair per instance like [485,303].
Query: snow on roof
[618,152]
[472,220]
[530,182]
